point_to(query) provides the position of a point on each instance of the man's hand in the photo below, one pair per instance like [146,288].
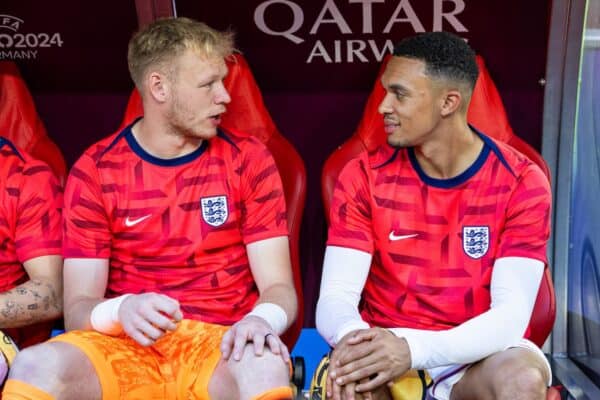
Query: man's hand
[333,389]
[375,354]
[147,317]
[256,330]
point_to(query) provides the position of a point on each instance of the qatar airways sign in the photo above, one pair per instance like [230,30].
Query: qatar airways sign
[288,20]
[337,45]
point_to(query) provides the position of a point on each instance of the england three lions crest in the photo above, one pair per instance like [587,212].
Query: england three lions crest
[476,240]
[214,210]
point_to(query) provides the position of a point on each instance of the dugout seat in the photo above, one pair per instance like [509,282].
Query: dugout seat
[20,123]
[486,112]
[247,113]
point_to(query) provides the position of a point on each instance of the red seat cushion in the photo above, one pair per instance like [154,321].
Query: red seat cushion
[20,123]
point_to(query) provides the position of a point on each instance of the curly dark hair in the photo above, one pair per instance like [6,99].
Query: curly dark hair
[445,56]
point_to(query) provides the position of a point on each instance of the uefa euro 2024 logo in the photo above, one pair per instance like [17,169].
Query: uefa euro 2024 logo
[23,46]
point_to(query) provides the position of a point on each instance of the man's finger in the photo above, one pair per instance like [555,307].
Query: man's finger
[346,369]
[285,353]
[365,395]
[374,383]
[335,355]
[149,330]
[329,385]
[361,336]
[139,337]
[357,374]
[177,315]
[227,343]
[160,321]
[337,391]
[273,343]
[348,391]
[355,352]
[167,305]
[258,341]
[239,342]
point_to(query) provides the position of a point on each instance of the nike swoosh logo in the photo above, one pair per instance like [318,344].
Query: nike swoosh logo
[394,237]
[131,222]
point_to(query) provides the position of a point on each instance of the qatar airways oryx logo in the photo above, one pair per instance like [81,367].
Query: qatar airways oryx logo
[351,47]
[23,46]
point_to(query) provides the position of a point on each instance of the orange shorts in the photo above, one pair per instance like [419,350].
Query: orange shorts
[178,366]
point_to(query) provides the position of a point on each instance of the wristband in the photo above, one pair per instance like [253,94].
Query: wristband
[273,314]
[105,316]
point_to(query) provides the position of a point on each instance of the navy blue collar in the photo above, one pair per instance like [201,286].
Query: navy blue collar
[163,162]
[127,134]
[488,146]
[5,141]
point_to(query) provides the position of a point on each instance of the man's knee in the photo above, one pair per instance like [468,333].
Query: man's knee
[520,381]
[35,364]
[514,374]
[48,365]
[265,364]
[254,374]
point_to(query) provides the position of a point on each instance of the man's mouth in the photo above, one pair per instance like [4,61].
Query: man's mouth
[216,118]
[390,126]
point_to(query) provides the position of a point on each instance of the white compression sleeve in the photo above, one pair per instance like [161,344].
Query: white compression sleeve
[514,287]
[345,272]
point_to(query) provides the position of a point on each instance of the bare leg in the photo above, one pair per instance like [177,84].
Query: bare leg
[249,377]
[59,369]
[516,374]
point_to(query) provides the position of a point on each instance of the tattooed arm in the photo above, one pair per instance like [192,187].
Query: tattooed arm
[38,299]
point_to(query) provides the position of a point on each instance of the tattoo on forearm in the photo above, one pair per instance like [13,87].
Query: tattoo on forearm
[39,299]
[10,309]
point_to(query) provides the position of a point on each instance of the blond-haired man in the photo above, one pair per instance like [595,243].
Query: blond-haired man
[177,273]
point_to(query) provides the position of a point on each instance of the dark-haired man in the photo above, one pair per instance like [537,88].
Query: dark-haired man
[442,233]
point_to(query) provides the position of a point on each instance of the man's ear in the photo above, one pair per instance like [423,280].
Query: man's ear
[451,102]
[158,86]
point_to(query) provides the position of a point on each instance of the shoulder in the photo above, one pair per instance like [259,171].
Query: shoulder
[519,165]
[240,149]
[85,169]
[101,150]
[16,163]
[239,140]
[377,161]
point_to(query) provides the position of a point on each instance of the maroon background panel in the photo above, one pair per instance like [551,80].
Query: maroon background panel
[86,48]
[316,87]
[315,78]
[304,45]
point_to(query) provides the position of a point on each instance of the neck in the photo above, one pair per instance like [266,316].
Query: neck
[161,140]
[451,150]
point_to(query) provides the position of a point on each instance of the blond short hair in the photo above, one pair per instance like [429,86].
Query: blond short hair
[163,40]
